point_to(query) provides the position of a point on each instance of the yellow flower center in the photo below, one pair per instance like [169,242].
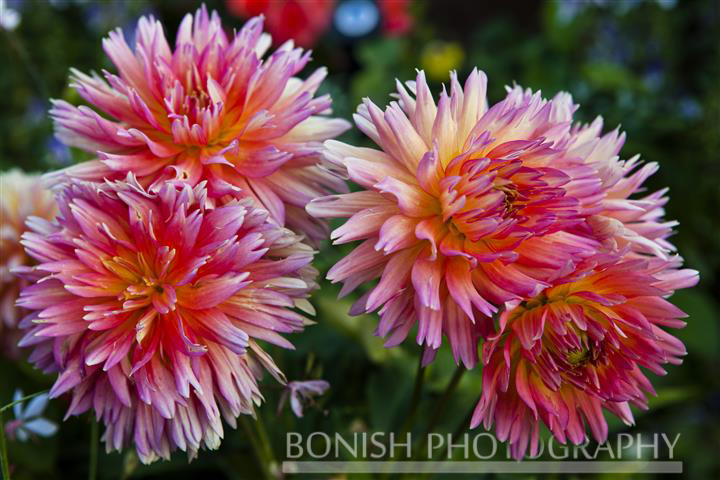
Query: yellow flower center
[579,357]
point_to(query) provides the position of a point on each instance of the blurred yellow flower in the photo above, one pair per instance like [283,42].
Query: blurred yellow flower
[438,58]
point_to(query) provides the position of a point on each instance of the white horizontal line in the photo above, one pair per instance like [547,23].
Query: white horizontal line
[556,466]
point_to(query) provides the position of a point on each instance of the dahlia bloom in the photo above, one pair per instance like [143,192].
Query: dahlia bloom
[21,197]
[564,356]
[466,207]
[150,305]
[213,109]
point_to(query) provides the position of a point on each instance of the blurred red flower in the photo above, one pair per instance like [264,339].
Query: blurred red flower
[396,18]
[304,21]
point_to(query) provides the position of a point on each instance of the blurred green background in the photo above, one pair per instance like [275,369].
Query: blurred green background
[652,67]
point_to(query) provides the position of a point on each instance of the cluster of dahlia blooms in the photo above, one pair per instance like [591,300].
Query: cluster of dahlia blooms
[179,249]
[512,224]
[23,197]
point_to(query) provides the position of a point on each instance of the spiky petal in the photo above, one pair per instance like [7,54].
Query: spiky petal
[466,207]
[211,109]
[150,306]
[579,348]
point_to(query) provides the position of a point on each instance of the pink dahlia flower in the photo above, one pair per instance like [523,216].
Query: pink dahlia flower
[213,109]
[22,197]
[466,207]
[575,350]
[150,305]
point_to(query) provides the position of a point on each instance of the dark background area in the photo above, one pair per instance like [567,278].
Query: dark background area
[652,67]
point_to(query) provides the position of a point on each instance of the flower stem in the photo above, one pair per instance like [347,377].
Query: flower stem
[94,440]
[257,448]
[412,406]
[21,400]
[415,398]
[265,443]
[440,409]
[4,465]
[463,426]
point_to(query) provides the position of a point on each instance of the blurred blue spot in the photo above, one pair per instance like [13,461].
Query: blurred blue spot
[356,18]
[690,108]
[59,153]
[36,110]
[654,76]
[95,17]
[667,4]
[567,10]
[609,44]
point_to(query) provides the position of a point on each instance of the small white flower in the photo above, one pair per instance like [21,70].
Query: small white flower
[28,420]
